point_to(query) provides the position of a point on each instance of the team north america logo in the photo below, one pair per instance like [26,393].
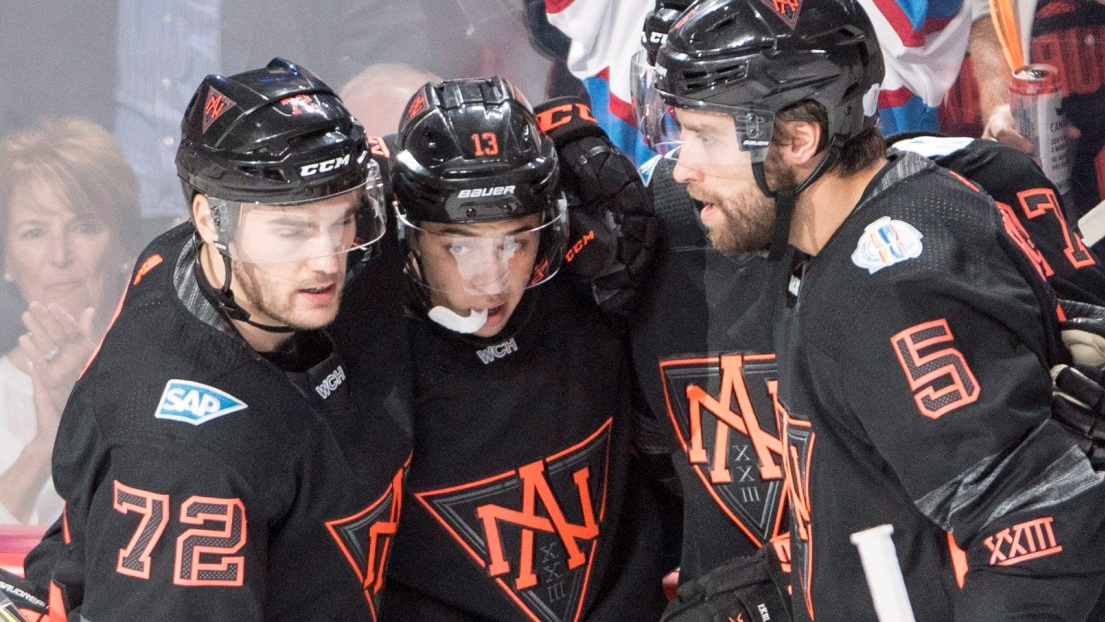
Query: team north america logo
[726,413]
[534,530]
[365,539]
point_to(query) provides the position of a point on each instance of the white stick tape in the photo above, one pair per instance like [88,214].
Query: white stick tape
[1092,225]
[884,575]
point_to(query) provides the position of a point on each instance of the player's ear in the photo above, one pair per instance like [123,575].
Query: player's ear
[802,141]
[201,216]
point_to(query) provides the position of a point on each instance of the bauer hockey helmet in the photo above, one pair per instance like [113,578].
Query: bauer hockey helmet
[470,153]
[749,59]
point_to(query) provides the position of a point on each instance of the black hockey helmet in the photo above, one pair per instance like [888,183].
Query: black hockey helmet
[749,59]
[470,153]
[765,55]
[276,135]
[655,32]
[658,23]
[277,139]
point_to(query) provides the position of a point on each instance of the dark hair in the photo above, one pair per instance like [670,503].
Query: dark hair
[84,163]
[856,154]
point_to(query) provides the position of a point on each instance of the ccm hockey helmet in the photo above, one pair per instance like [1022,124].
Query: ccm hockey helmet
[276,136]
[285,169]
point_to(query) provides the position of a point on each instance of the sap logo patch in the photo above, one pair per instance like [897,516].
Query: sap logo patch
[195,403]
[886,242]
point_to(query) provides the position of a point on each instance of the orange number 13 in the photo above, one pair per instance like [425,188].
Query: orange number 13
[486,144]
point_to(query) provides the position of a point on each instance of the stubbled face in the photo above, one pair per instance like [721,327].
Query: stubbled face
[304,290]
[738,216]
[55,254]
[484,266]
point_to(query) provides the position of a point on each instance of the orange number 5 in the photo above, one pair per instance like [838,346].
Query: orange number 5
[941,381]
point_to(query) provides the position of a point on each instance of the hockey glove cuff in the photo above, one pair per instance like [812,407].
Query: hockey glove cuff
[614,231]
[19,600]
[1078,403]
[747,588]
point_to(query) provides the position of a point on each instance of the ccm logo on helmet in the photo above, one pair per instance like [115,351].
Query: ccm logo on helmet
[475,193]
[323,167]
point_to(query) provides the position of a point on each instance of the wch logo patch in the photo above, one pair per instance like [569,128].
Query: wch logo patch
[490,354]
[195,403]
[535,529]
[365,539]
[727,416]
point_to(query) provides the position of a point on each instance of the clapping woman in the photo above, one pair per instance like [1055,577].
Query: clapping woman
[68,219]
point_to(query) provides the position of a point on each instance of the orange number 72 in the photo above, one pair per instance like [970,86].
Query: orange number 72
[195,548]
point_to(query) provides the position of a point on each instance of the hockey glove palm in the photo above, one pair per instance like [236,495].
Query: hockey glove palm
[614,231]
[1084,332]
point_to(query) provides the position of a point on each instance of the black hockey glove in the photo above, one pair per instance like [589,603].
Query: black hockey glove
[747,588]
[614,233]
[19,600]
[1078,404]
[1084,332]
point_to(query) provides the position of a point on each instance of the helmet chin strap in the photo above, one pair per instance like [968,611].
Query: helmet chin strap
[223,298]
[785,198]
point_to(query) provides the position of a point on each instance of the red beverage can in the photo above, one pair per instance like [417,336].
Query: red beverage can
[1037,106]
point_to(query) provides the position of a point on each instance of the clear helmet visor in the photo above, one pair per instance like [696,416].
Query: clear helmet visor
[489,259]
[699,135]
[268,235]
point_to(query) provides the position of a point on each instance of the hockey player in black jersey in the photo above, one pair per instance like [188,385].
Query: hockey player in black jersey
[884,422]
[522,502]
[216,459]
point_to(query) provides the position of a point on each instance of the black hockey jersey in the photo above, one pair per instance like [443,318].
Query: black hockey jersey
[522,503]
[203,482]
[1031,210]
[704,358]
[706,363]
[916,389]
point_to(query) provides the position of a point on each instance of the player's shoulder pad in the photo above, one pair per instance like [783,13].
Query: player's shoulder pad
[997,167]
[953,218]
[566,119]
[155,263]
[928,145]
